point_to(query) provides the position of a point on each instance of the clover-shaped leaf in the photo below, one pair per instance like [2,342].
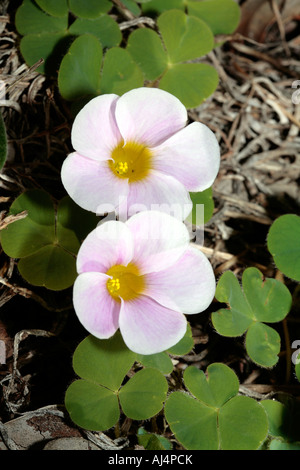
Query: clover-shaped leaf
[216,418]
[284,244]
[183,38]
[94,400]
[31,19]
[82,73]
[46,240]
[262,300]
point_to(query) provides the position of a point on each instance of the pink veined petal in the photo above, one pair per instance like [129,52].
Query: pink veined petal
[192,156]
[97,311]
[111,243]
[159,240]
[157,192]
[149,328]
[189,284]
[94,131]
[92,185]
[149,115]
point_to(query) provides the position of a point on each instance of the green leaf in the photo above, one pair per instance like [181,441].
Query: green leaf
[120,73]
[277,444]
[185,345]
[79,72]
[159,6]
[193,423]
[221,420]
[3,142]
[143,395]
[234,320]
[151,441]
[160,361]
[243,424]
[272,300]
[146,49]
[54,7]
[91,406]
[180,80]
[284,244]
[105,361]
[104,28]
[90,9]
[203,207]
[220,385]
[30,19]
[73,221]
[222,16]
[263,300]
[263,344]
[278,417]
[185,37]
[46,240]
[28,235]
[48,46]
[132,6]
[50,267]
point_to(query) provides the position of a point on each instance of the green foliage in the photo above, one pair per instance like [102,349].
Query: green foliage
[50,32]
[93,401]
[284,244]
[262,300]
[90,9]
[215,418]
[222,16]
[3,142]
[54,7]
[183,38]
[47,239]
[151,441]
[283,424]
[204,201]
[79,73]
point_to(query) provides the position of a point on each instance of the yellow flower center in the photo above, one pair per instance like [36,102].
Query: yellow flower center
[132,161]
[125,282]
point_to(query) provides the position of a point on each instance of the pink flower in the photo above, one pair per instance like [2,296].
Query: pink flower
[141,276]
[136,148]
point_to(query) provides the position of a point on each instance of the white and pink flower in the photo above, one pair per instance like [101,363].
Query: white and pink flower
[141,276]
[137,148]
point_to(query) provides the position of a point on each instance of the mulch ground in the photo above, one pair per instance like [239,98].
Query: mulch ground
[257,122]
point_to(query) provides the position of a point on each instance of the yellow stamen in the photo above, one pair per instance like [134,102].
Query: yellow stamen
[132,161]
[125,282]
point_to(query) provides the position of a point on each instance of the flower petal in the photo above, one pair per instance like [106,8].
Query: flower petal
[109,244]
[149,328]
[97,311]
[149,115]
[159,240]
[192,156]
[189,285]
[94,131]
[157,192]
[91,184]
